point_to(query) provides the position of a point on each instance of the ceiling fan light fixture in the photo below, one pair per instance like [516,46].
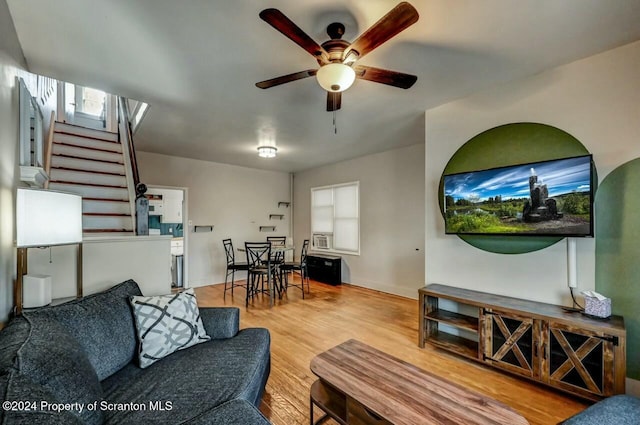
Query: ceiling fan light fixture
[267,151]
[335,77]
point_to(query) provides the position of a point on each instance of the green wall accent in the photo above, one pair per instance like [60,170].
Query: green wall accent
[618,251]
[505,145]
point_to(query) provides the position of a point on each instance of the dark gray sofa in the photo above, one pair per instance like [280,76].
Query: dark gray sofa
[616,410]
[76,364]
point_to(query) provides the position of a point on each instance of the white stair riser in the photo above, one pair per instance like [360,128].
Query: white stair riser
[83,141]
[90,178]
[101,222]
[82,131]
[92,191]
[107,207]
[87,153]
[81,164]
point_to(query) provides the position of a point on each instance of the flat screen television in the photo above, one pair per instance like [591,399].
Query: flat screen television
[547,198]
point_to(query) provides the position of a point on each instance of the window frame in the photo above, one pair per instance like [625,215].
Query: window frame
[333,250]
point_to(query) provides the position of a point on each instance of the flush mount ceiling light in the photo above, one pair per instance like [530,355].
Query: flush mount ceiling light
[335,77]
[267,151]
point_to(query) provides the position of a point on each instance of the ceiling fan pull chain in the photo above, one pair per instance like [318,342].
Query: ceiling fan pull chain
[335,127]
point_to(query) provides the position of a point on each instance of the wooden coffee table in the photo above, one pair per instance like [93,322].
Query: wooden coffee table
[361,385]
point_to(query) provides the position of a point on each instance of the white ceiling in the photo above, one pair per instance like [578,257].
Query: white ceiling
[196,62]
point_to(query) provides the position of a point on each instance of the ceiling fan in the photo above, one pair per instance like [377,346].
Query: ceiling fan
[337,57]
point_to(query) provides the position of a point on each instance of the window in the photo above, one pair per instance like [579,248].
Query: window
[335,218]
[90,101]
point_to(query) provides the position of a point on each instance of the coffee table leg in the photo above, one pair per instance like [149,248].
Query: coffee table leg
[322,420]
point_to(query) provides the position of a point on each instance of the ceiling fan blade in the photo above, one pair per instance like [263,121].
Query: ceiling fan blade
[385,76]
[399,18]
[286,78]
[279,21]
[334,101]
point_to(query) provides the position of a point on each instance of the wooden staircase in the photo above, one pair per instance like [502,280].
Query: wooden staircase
[91,163]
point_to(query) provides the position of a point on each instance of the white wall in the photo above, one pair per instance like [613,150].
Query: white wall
[235,200]
[597,100]
[391,217]
[12,64]
[106,261]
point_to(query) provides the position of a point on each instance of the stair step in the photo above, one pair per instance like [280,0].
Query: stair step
[110,193]
[90,206]
[87,153]
[86,165]
[70,139]
[83,177]
[86,132]
[121,223]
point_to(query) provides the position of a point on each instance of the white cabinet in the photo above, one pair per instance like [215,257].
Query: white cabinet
[172,207]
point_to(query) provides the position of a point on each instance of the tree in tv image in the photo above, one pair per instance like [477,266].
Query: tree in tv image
[543,198]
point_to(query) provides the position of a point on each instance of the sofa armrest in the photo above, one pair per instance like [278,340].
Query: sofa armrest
[220,322]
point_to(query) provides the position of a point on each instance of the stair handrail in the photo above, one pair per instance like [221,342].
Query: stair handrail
[48,148]
[129,156]
[123,114]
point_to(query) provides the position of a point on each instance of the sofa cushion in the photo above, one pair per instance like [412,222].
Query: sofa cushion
[40,358]
[103,325]
[193,380]
[165,324]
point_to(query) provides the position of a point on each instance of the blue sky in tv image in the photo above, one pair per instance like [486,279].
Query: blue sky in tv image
[561,177]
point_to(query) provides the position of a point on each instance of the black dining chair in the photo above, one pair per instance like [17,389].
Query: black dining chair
[301,267]
[276,242]
[277,256]
[232,267]
[260,269]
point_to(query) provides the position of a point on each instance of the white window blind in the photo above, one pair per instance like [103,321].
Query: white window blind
[335,210]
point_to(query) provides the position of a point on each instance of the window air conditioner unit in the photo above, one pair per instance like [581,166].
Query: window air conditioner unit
[322,241]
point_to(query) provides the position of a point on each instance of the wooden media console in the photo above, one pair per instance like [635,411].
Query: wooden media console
[543,342]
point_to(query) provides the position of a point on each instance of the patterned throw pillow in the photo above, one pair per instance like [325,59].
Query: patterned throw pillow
[165,324]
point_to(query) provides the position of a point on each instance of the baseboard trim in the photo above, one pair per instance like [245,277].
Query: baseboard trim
[400,291]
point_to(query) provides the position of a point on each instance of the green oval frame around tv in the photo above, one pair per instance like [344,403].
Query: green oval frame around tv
[505,145]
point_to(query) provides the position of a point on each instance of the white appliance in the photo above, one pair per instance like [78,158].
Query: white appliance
[155,205]
[177,262]
[322,241]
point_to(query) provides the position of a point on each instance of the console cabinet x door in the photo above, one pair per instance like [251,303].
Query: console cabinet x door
[573,359]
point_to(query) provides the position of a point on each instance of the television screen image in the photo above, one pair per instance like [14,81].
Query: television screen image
[547,198]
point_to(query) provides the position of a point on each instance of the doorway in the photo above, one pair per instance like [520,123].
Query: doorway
[168,216]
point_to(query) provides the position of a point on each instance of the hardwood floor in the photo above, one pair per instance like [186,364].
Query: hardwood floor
[301,329]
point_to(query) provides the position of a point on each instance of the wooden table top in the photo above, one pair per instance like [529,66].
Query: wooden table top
[405,394]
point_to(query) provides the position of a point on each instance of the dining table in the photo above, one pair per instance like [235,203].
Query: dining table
[279,286]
